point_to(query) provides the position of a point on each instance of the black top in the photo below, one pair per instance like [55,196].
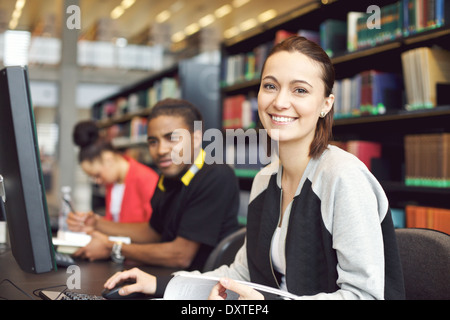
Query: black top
[200,206]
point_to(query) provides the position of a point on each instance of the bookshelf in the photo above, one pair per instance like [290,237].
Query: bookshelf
[122,116]
[389,126]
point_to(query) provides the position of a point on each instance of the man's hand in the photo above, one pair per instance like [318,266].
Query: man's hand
[98,248]
[244,292]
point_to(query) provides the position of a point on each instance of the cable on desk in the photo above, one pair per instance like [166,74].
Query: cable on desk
[12,283]
[36,291]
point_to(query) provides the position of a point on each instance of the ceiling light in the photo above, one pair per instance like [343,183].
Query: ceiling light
[163,16]
[206,20]
[117,12]
[267,15]
[120,9]
[191,29]
[248,24]
[230,33]
[177,6]
[179,36]
[127,3]
[13,24]
[239,3]
[223,11]
[16,14]
[20,4]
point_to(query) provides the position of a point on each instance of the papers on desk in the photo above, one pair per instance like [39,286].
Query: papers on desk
[68,242]
[3,236]
[187,286]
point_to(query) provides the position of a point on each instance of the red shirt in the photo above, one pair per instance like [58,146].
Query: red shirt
[140,184]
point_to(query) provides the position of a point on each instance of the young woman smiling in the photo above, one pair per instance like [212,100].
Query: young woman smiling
[319,223]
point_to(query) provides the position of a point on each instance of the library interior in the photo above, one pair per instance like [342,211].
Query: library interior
[107,64]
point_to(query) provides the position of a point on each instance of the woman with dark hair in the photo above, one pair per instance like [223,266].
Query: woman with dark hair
[319,223]
[129,184]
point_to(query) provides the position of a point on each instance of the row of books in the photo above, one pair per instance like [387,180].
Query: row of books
[424,70]
[167,87]
[360,30]
[239,111]
[105,54]
[122,134]
[99,54]
[427,160]
[365,151]
[370,92]
[247,66]
[391,22]
[428,217]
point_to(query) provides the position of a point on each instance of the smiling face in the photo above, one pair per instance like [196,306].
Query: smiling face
[292,96]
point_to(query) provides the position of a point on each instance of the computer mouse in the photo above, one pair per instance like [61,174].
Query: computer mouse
[113,294]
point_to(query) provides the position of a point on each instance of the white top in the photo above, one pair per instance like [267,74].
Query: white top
[116,200]
[277,252]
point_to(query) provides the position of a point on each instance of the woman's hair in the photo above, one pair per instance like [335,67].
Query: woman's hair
[312,50]
[86,136]
[177,107]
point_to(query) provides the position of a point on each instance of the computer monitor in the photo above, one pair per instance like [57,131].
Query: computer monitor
[22,192]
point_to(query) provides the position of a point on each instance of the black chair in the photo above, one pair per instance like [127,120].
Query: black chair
[425,258]
[225,251]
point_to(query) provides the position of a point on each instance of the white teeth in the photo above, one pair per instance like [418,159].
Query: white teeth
[282,119]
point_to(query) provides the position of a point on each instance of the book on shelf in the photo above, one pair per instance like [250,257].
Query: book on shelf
[247,66]
[333,36]
[427,160]
[365,151]
[167,87]
[239,111]
[244,66]
[282,35]
[428,217]
[370,92]
[352,29]
[310,35]
[399,19]
[129,132]
[372,29]
[423,69]
[422,15]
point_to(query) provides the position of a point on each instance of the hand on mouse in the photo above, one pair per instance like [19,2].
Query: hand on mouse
[145,283]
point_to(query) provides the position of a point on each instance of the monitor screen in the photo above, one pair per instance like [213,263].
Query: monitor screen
[23,194]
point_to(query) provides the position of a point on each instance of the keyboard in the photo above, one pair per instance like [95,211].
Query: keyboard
[68,295]
[63,260]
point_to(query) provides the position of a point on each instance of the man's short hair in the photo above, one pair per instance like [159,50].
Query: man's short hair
[177,107]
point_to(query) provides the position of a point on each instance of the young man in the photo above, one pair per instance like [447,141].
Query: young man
[195,204]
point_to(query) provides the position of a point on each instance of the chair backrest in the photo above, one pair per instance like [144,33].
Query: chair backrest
[225,251]
[425,258]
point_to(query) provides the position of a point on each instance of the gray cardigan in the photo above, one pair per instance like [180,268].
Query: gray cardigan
[340,242]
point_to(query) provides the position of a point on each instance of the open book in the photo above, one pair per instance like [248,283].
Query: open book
[187,286]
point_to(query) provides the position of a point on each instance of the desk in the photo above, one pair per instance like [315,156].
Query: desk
[93,276]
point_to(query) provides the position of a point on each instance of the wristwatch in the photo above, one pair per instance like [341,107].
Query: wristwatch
[116,252]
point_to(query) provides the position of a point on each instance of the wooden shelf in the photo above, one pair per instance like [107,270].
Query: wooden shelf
[400,116]
[104,123]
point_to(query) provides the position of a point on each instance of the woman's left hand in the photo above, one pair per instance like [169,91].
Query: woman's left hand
[244,292]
